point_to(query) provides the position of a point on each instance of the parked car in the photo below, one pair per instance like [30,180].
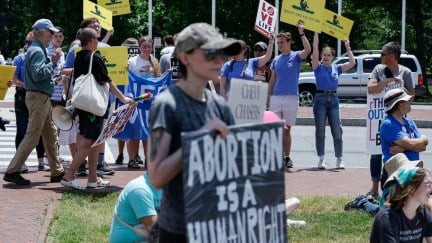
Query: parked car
[353,82]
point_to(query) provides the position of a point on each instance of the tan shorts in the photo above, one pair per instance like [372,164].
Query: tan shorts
[286,107]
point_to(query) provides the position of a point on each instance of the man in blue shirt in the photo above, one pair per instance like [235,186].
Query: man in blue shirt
[40,87]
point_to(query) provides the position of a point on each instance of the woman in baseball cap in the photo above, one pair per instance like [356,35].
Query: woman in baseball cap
[183,107]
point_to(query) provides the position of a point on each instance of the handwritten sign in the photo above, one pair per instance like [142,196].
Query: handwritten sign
[92,10]
[336,25]
[116,7]
[234,188]
[6,74]
[266,19]
[375,115]
[308,12]
[247,100]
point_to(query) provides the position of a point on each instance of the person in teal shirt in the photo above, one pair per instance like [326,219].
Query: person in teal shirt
[139,202]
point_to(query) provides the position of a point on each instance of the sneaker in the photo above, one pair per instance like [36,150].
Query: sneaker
[3,122]
[82,169]
[16,178]
[340,164]
[119,159]
[42,167]
[133,164]
[24,169]
[295,223]
[288,162]
[103,169]
[138,159]
[46,164]
[57,178]
[322,164]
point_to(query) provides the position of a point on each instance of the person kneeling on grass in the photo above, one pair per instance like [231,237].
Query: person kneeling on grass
[136,209]
[404,218]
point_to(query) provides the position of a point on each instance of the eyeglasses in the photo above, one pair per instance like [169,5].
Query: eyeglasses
[211,54]
[258,49]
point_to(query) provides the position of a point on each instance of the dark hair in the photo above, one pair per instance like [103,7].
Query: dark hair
[86,22]
[60,29]
[393,48]
[182,68]
[169,40]
[130,41]
[85,35]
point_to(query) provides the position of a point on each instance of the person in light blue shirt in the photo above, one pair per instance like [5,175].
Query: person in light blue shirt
[326,102]
[243,67]
[138,203]
[282,94]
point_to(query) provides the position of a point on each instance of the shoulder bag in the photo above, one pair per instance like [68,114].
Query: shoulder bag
[88,95]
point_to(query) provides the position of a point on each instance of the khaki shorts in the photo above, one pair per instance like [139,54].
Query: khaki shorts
[286,107]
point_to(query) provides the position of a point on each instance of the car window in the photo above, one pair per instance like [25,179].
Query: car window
[351,70]
[370,63]
[409,63]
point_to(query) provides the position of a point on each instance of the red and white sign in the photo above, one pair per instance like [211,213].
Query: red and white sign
[267,16]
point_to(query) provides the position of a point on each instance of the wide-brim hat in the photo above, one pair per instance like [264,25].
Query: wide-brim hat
[203,35]
[396,163]
[393,96]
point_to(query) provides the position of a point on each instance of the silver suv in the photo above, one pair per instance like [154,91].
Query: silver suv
[353,83]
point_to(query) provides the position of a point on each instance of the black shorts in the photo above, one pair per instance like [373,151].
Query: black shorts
[90,125]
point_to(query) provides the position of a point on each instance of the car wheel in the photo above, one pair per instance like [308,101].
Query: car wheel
[306,96]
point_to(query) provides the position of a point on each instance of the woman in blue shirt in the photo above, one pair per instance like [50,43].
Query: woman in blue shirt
[243,67]
[326,102]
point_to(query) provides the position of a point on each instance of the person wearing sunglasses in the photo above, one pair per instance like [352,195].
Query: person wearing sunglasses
[326,101]
[262,73]
[282,94]
[243,67]
[183,107]
[405,217]
[389,71]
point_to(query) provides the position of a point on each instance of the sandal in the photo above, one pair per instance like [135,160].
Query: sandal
[72,184]
[133,164]
[98,183]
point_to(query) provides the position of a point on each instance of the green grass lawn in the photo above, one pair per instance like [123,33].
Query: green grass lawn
[86,217]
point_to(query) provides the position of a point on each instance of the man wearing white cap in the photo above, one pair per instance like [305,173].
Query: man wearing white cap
[40,87]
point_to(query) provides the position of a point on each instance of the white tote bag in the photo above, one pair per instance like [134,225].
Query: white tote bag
[88,95]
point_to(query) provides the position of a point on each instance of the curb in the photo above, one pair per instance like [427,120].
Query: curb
[309,121]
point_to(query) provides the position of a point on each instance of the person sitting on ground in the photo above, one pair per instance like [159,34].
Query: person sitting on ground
[404,219]
[138,203]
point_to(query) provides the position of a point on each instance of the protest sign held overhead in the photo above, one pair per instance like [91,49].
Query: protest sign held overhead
[247,100]
[92,10]
[117,7]
[301,11]
[234,188]
[336,25]
[6,74]
[266,19]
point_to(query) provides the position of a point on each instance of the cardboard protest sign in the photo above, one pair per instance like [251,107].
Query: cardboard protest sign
[102,14]
[247,100]
[266,19]
[336,25]
[6,74]
[375,115]
[115,6]
[308,12]
[234,188]
[116,61]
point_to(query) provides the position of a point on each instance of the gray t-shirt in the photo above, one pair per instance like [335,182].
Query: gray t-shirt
[403,72]
[176,112]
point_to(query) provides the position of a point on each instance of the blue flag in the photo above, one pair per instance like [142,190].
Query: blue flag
[137,126]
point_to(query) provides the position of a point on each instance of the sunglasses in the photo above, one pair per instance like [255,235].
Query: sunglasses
[258,49]
[212,54]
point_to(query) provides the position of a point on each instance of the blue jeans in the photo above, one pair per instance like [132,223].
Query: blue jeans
[326,106]
[375,167]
